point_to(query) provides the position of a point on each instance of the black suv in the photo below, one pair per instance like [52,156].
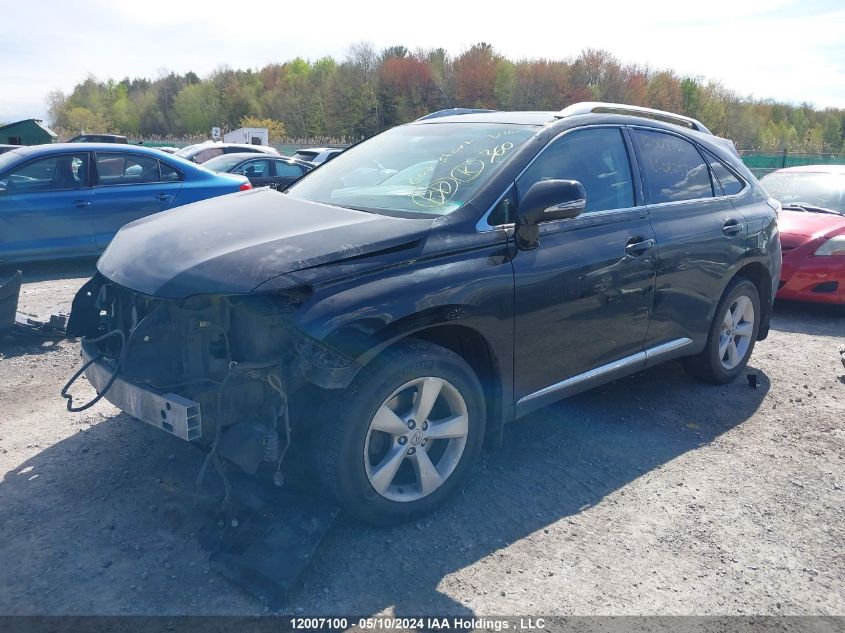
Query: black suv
[401,303]
[98,138]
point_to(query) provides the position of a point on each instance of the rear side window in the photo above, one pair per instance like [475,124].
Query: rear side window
[287,169]
[723,176]
[168,173]
[596,158]
[673,169]
[126,169]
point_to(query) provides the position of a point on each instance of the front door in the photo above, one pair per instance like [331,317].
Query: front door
[583,296]
[258,170]
[46,207]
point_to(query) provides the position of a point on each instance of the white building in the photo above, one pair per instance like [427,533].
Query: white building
[248,135]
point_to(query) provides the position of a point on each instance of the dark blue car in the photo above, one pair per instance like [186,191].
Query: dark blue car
[68,200]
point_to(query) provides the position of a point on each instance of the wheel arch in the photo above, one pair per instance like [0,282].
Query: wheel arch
[476,350]
[759,275]
[471,345]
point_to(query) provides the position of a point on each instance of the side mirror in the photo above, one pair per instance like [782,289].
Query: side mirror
[545,201]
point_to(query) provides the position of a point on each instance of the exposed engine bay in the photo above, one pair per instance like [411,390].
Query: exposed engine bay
[214,369]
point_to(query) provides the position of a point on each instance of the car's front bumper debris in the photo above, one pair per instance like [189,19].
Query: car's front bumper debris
[169,412]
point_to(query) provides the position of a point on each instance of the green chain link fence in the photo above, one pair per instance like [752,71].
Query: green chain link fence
[761,164]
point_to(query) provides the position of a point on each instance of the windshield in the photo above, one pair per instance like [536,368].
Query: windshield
[189,150]
[7,158]
[817,189]
[417,169]
[223,163]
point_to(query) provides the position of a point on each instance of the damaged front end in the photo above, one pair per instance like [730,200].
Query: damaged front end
[218,370]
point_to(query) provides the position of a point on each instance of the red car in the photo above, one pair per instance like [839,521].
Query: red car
[812,231]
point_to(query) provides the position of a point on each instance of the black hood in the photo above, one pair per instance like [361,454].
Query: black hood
[234,243]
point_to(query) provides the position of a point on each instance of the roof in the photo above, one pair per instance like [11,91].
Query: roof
[31,151]
[515,118]
[36,122]
[197,147]
[261,156]
[319,150]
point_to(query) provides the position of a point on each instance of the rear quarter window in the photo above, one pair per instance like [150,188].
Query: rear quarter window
[729,182]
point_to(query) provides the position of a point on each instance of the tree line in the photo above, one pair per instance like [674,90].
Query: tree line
[368,91]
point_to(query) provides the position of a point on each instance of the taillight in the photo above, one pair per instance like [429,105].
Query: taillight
[244,187]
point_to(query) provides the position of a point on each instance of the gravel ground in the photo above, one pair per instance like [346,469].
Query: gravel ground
[653,495]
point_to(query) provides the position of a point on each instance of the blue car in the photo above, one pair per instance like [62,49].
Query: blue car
[69,200]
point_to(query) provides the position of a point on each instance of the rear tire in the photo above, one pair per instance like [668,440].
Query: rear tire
[732,335]
[379,462]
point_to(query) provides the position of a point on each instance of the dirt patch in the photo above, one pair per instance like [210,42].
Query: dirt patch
[653,495]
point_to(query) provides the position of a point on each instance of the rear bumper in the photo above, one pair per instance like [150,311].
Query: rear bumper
[169,412]
[812,278]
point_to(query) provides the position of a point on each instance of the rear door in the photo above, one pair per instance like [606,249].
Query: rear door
[130,186]
[46,206]
[700,236]
[286,173]
[583,295]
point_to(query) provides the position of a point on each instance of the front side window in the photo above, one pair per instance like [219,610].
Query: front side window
[595,157]
[55,173]
[254,169]
[423,170]
[673,169]
[505,210]
[126,169]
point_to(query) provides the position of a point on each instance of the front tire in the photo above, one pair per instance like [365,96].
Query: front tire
[732,335]
[399,440]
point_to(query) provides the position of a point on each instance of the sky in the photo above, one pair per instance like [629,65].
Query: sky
[787,50]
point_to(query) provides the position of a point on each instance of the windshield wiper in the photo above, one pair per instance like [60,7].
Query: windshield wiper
[351,208]
[809,208]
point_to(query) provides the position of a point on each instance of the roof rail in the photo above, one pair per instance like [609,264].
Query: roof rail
[587,107]
[452,112]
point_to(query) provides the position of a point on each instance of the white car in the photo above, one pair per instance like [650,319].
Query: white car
[317,155]
[202,152]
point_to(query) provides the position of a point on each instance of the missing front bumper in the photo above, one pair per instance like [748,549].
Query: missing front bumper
[169,412]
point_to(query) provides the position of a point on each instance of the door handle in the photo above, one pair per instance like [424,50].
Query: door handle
[637,246]
[732,227]
[81,204]
[162,196]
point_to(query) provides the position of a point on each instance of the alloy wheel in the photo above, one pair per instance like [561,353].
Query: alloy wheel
[416,439]
[736,332]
